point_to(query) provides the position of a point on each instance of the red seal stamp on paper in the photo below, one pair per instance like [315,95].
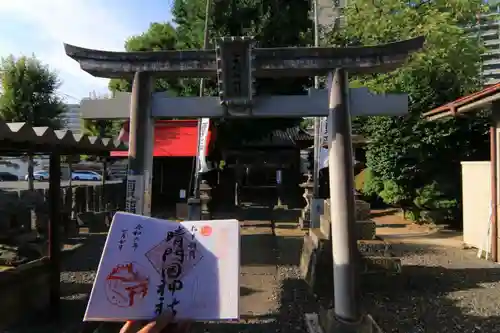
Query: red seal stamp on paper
[206,230]
[127,284]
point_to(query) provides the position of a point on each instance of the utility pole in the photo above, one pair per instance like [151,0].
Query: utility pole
[194,204]
[317,139]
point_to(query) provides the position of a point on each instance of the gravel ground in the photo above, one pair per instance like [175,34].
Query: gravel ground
[273,297]
[439,290]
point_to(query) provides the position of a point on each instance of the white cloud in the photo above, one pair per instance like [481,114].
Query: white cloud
[86,23]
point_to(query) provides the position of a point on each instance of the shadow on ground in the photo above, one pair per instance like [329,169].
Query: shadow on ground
[87,257]
[288,257]
[427,299]
[449,293]
[385,212]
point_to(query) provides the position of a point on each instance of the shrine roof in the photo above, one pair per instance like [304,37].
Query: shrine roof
[19,136]
[471,103]
[269,62]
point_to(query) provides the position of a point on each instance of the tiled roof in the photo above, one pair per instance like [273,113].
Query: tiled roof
[41,138]
[287,137]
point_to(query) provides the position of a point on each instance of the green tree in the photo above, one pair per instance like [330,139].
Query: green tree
[159,36]
[29,94]
[408,156]
[263,20]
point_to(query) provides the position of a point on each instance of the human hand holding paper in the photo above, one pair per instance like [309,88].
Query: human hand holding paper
[150,266]
[162,324]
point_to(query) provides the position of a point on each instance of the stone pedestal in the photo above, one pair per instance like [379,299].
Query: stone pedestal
[194,209]
[205,198]
[316,265]
[365,228]
[330,324]
[305,219]
[317,262]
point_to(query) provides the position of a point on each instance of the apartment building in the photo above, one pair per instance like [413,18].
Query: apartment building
[488,30]
[73,118]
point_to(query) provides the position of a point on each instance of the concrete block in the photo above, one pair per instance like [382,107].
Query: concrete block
[325,225]
[374,247]
[362,210]
[96,222]
[327,322]
[25,289]
[380,265]
[365,229]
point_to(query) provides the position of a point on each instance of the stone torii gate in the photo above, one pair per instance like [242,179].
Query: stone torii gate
[235,63]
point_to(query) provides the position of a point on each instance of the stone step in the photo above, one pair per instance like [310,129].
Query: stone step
[376,247]
[365,229]
[380,265]
[362,210]
[317,266]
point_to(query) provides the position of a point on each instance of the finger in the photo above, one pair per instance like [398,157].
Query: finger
[158,324]
[131,326]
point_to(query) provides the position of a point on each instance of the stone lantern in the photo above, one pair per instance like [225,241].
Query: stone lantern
[305,219]
[205,198]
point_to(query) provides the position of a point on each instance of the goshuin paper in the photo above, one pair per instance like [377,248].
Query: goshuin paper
[150,265]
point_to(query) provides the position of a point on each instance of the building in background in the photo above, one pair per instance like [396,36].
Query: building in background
[73,118]
[488,30]
[330,15]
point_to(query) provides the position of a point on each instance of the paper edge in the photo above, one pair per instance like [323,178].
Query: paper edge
[96,319]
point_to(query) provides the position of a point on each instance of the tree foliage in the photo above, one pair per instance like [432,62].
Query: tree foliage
[103,128]
[29,93]
[261,19]
[410,158]
[159,36]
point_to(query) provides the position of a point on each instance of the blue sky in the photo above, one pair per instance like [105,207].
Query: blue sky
[40,27]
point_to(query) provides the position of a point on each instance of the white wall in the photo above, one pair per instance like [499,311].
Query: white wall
[476,196]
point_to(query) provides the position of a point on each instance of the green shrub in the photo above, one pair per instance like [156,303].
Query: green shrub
[372,185]
[433,204]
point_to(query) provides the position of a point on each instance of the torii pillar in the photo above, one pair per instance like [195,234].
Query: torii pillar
[235,63]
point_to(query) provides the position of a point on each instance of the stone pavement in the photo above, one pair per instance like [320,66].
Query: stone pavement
[391,226]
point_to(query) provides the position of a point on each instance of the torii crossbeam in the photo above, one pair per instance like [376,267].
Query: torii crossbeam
[235,63]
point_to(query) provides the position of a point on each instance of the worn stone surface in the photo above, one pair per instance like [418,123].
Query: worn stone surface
[330,324]
[317,265]
[365,228]
[17,255]
[25,213]
[362,210]
[24,289]
[380,265]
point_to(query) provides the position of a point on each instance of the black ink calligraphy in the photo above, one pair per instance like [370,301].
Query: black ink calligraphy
[123,239]
[137,234]
[171,273]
